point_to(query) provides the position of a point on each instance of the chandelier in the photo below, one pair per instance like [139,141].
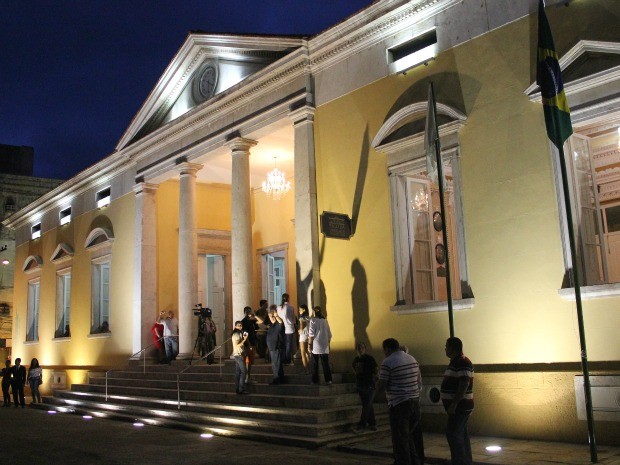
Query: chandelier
[276,183]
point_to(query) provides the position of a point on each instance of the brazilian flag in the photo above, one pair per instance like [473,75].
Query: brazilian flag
[549,78]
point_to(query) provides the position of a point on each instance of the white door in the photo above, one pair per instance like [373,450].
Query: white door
[279,279]
[211,290]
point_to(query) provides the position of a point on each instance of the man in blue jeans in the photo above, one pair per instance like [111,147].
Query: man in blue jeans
[457,395]
[400,376]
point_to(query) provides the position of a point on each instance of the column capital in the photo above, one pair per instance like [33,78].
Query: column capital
[145,188]
[303,114]
[241,144]
[188,168]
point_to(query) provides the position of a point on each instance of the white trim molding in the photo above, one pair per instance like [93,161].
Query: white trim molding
[32,259]
[62,253]
[433,307]
[95,234]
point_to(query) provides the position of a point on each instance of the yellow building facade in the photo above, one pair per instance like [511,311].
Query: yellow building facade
[343,115]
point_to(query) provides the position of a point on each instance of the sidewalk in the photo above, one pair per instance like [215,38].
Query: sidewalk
[514,451]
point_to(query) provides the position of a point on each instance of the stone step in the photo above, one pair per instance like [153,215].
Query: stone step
[188,421]
[268,399]
[227,385]
[346,413]
[258,376]
[265,423]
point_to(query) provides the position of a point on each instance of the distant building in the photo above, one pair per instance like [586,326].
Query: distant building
[18,188]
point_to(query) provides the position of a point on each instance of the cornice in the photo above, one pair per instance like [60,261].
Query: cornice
[336,45]
[97,175]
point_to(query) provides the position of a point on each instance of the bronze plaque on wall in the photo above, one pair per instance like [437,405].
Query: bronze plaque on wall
[336,225]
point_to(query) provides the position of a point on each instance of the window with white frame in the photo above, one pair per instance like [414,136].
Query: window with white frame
[419,249]
[35,231]
[103,197]
[100,292]
[32,317]
[591,72]
[64,216]
[63,304]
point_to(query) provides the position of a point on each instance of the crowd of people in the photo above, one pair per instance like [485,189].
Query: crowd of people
[15,378]
[278,333]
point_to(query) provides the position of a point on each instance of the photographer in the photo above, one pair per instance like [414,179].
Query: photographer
[275,345]
[238,341]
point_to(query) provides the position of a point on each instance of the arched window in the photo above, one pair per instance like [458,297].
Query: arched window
[419,251]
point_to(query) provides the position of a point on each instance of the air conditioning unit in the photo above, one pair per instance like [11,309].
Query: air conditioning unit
[605,391]
[430,395]
[59,380]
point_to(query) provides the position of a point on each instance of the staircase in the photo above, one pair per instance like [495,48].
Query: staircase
[296,413]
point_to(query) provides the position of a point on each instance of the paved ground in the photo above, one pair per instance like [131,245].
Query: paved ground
[31,436]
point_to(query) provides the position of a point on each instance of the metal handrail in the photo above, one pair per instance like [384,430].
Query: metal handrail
[132,356]
[220,347]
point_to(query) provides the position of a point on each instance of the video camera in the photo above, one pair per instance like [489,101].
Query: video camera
[200,310]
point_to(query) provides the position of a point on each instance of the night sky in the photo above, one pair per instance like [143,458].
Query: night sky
[74,73]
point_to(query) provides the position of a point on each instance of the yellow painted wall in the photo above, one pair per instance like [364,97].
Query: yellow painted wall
[81,350]
[511,221]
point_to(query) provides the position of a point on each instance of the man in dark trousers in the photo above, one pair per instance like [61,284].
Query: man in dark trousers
[366,369]
[400,376]
[18,381]
[457,395]
[6,383]
[275,345]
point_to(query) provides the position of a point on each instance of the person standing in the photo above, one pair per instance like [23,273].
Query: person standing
[304,327]
[238,341]
[457,395]
[35,379]
[250,325]
[365,367]
[18,381]
[262,314]
[274,345]
[157,333]
[319,337]
[286,312]
[400,377]
[6,383]
[210,340]
[171,334]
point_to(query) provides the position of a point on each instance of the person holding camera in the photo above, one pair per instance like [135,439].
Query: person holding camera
[250,324]
[238,341]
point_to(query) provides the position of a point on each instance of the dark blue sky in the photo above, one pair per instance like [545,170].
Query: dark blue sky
[74,73]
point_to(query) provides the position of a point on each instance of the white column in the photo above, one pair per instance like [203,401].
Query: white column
[188,257]
[144,265]
[241,228]
[306,216]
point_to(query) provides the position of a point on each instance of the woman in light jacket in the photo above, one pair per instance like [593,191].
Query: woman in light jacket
[35,379]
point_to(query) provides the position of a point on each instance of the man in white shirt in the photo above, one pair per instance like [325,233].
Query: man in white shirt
[171,334]
[319,336]
[400,376]
[286,312]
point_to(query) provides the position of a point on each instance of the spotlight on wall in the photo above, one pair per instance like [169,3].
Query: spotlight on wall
[493,448]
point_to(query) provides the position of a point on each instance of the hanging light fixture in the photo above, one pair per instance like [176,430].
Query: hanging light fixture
[276,184]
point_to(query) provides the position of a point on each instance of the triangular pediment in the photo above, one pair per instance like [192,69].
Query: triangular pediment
[587,65]
[206,66]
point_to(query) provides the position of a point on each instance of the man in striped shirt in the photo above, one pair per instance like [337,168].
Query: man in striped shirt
[457,394]
[400,376]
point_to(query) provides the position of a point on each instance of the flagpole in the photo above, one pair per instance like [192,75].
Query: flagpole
[582,332]
[444,226]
